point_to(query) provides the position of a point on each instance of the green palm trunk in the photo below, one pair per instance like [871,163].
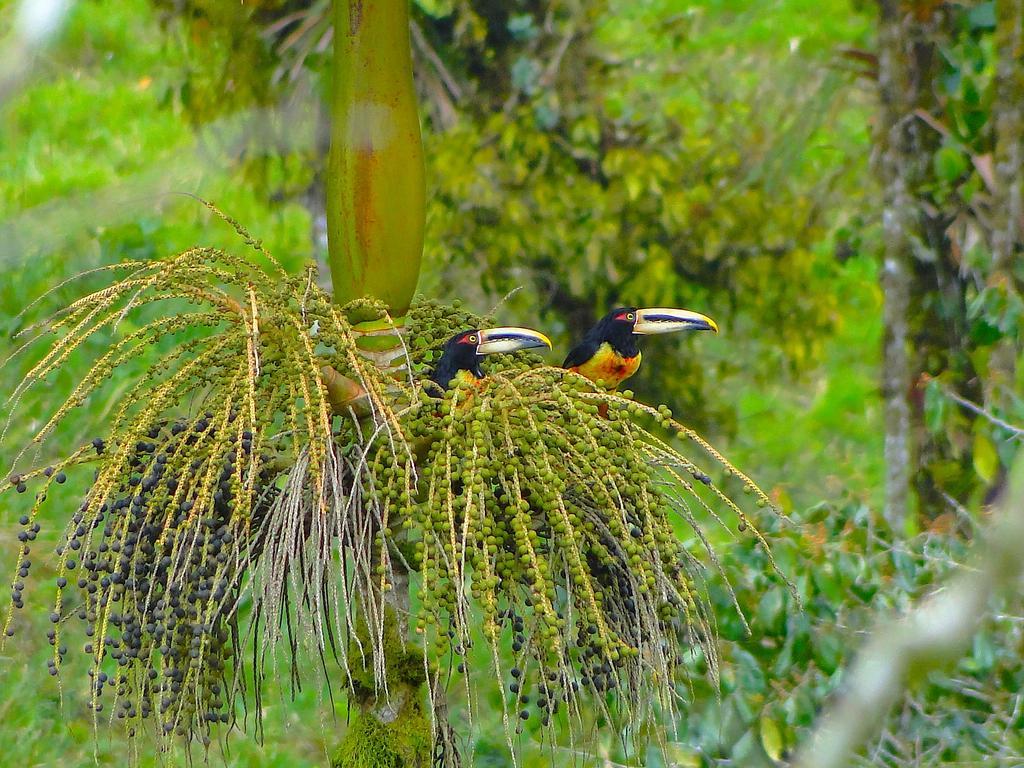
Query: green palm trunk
[375,189]
[375,219]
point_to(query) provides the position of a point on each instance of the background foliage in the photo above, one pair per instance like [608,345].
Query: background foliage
[711,155]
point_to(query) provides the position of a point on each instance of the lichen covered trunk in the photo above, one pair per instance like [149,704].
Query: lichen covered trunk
[1000,386]
[904,59]
[375,184]
[1008,113]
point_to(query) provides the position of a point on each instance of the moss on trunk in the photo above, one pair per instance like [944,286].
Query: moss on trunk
[391,729]
[402,743]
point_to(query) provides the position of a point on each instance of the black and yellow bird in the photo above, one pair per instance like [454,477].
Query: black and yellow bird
[610,353]
[462,353]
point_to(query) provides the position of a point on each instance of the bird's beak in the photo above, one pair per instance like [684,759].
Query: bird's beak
[663,320]
[510,339]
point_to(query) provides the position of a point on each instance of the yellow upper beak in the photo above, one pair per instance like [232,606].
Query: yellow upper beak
[510,339]
[666,320]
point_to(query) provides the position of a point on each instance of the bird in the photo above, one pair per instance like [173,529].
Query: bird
[609,351]
[462,353]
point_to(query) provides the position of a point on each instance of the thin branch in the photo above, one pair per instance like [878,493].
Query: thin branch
[1017,432]
[551,71]
[425,48]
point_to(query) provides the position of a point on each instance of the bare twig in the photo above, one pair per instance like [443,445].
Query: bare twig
[935,633]
[551,70]
[1017,432]
[427,50]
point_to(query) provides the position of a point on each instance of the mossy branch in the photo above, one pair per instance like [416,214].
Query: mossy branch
[931,636]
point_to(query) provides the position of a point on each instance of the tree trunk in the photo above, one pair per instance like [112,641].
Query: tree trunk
[895,143]
[1008,213]
[375,178]
[1000,388]
[376,208]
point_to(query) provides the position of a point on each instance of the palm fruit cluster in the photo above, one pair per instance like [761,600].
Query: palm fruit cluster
[237,505]
[545,522]
[156,577]
[223,479]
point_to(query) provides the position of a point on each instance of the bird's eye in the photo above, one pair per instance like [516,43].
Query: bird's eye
[630,316]
[472,339]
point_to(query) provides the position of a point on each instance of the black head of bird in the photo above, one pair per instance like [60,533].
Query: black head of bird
[610,352]
[463,352]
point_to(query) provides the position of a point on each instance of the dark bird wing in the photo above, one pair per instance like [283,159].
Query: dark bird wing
[579,354]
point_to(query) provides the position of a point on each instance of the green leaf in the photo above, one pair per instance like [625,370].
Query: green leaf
[771,612]
[828,586]
[525,73]
[800,633]
[634,186]
[783,661]
[748,751]
[521,27]
[906,566]
[936,406]
[983,653]
[985,333]
[436,8]
[771,738]
[749,676]
[985,458]
[949,163]
[828,652]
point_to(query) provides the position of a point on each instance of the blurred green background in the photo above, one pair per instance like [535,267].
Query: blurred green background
[710,155]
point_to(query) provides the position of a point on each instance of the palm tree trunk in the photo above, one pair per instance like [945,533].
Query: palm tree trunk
[375,220]
[375,185]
